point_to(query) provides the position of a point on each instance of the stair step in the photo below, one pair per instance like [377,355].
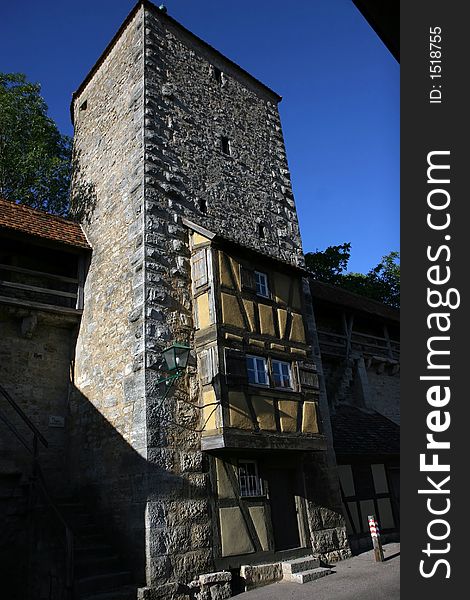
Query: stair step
[105,582]
[93,550]
[306,563]
[89,565]
[89,539]
[127,592]
[307,576]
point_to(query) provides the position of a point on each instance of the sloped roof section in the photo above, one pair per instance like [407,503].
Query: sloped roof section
[336,295]
[19,218]
[356,431]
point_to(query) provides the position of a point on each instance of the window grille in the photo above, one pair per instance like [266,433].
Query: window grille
[248,478]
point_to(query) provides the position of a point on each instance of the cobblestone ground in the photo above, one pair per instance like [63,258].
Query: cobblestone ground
[358,578]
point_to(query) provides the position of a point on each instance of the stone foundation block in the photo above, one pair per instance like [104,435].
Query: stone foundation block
[258,575]
[211,586]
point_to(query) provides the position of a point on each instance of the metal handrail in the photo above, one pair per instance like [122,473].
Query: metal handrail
[37,475]
[25,418]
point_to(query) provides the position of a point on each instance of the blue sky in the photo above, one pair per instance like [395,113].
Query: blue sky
[340,88]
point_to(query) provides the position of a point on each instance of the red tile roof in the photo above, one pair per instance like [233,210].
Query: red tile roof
[23,219]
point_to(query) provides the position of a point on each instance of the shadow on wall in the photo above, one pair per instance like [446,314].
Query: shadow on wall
[118,485]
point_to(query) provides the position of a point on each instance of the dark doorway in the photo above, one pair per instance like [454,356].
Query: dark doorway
[283,508]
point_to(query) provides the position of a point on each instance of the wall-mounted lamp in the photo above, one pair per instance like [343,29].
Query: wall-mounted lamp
[176,360]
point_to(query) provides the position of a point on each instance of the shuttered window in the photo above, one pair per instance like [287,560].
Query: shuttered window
[200,269]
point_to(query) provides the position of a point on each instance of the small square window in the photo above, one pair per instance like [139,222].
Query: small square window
[225,145]
[282,374]
[248,479]
[257,370]
[261,282]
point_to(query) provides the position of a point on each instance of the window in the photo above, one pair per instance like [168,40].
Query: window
[261,283]
[217,73]
[248,478]
[225,145]
[202,205]
[257,370]
[261,231]
[282,374]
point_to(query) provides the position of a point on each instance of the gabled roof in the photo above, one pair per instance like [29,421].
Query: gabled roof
[18,218]
[358,432]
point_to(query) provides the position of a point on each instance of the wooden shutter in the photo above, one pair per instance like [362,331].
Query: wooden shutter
[199,269]
[308,378]
[247,278]
[206,366]
[235,367]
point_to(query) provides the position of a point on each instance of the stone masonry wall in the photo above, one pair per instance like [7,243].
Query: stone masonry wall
[325,519]
[187,113]
[384,384]
[35,354]
[110,444]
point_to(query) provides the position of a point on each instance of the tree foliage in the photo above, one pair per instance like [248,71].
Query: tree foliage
[382,283]
[35,157]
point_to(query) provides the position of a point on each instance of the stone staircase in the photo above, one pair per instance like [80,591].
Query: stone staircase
[98,570]
[303,570]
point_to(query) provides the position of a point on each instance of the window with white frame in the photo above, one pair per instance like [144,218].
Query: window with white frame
[248,478]
[257,369]
[261,283]
[282,374]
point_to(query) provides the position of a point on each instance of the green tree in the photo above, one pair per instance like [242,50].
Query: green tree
[382,283]
[35,158]
[329,265]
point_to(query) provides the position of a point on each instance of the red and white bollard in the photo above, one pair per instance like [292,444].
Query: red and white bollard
[375,535]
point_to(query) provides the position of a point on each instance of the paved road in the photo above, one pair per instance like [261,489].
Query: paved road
[358,578]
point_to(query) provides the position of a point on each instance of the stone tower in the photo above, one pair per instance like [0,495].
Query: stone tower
[182,185]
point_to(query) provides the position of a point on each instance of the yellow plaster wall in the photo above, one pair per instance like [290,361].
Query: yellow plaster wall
[288,415]
[250,313]
[225,278]
[238,411]
[224,487]
[264,410]
[236,271]
[254,342]
[297,333]
[233,532]
[309,418]
[199,239]
[231,314]
[282,318]
[296,302]
[258,515]
[209,415]
[380,479]
[266,319]
[385,513]
[281,288]
[203,313]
